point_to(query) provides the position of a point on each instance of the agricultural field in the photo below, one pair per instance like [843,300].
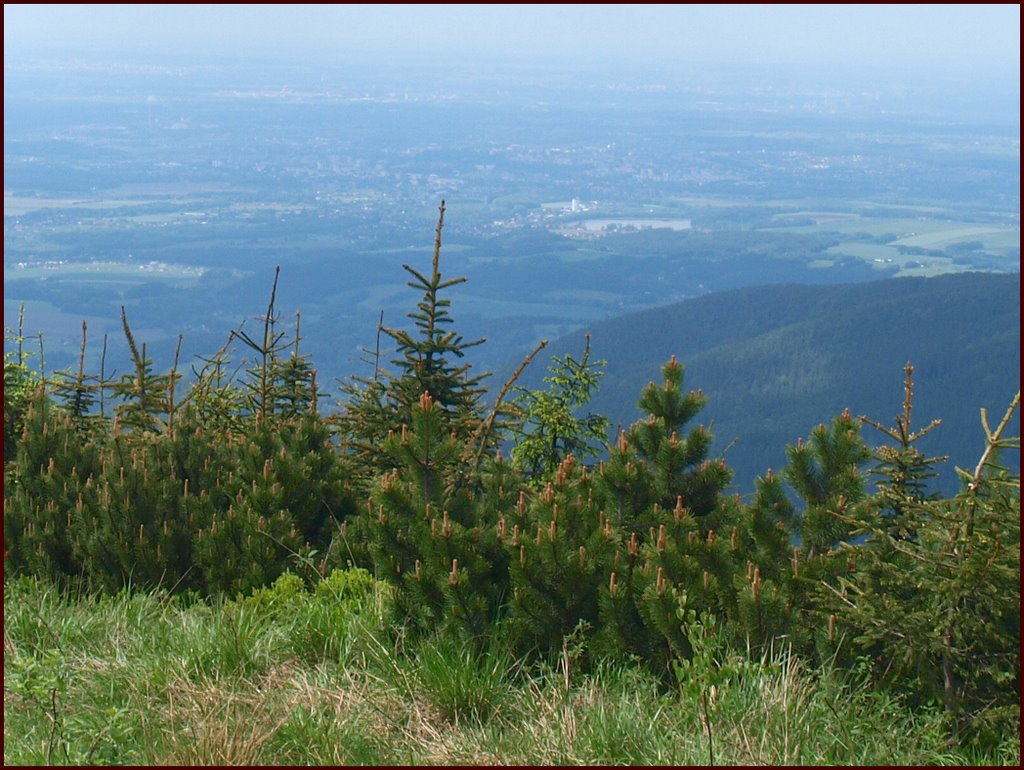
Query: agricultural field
[105,272]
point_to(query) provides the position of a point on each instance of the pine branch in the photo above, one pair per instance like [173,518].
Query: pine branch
[484,431]
[993,441]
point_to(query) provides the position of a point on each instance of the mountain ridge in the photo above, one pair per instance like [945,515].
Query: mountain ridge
[776,360]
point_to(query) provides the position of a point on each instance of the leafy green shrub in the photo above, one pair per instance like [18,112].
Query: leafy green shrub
[551,430]
[327,623]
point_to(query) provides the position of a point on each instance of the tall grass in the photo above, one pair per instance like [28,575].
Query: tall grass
[293,676]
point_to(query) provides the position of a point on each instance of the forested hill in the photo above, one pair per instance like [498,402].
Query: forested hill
[775,361]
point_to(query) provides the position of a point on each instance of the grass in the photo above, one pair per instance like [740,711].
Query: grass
[300,677]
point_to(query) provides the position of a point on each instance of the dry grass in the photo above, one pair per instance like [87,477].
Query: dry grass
[136,683]
[208,723]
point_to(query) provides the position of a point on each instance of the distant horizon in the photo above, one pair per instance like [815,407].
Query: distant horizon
[959,41]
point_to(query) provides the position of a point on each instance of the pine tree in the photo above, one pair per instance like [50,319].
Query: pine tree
[147,398]
[562,549]
[825,473]
[217,493]
[130,527]
[902,468]
[278,385]
[664,494]
[214,396]
[772,583]
[434,536]
[934,596]
[42,490]
[679,462]
[78,392]
[655,463]
[20,385]
[296,393]
[429,361]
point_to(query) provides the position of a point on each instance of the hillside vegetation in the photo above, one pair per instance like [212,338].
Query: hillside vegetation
[775,360]
[497,529]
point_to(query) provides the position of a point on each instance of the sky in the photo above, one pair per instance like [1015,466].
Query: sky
[982,39]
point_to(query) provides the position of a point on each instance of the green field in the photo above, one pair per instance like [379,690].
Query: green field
[888,256]
[991,237]
[105,272]
[882,241]
[922,231]
[16,206]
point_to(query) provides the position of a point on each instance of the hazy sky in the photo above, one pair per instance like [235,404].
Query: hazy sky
[970,38]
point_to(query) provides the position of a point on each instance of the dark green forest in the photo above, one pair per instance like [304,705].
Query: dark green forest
[775,360]
[500,509]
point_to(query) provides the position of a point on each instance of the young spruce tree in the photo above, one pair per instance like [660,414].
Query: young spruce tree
[934,595]
[429,360]
[436,488]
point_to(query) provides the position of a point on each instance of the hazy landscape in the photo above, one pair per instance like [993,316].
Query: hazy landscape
[693,533]
[175,187]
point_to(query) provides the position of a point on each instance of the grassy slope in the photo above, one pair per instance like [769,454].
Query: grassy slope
[309,679]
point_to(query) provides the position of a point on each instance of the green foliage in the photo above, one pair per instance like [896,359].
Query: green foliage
[770,524]
[656,463]
[436,493]
[169,494]
[20,383]
[590,548]
[213,511]
[147,398]
[464,683]
[240,488]
[143,679]
[561,552]
[277,386]
[216,398]
[331,622]
[825,473]
[428,533]
[902,468]
[552,430]
[664,492]
[279,493]
[79,392]
[38,501]
[709,668]
[429,362]
[624,486]
[935,595]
